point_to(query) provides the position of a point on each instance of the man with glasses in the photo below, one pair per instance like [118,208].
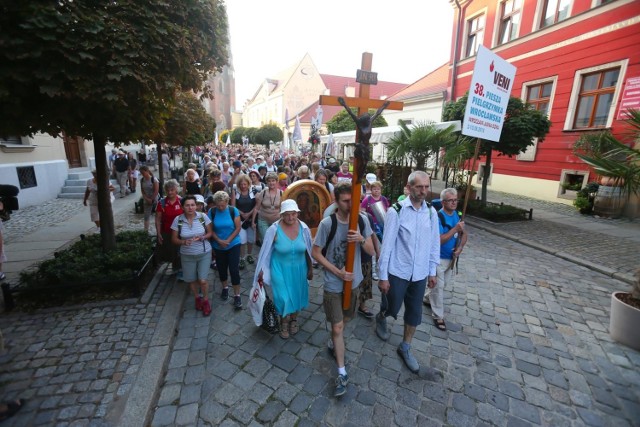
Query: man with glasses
[452,241]
[408,260]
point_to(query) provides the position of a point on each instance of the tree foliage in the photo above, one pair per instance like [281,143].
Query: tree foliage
[266,133]
[417,143]
[104,70]
[237,134]
[521,125]
[188,123]
[342,122]
[620,160]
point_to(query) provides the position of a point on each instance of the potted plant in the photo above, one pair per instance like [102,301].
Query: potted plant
[585,198]
[625,316]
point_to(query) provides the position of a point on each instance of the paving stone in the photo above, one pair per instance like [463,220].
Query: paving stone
[526,411]
[590,418]
[187,415]
[212,412]
[300,403]
[459,419]
[464,404]
[510,389]
[245,410]
[164,416]
[527,367]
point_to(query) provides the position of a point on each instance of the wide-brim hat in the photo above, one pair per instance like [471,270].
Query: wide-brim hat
[289,205]
[199,198]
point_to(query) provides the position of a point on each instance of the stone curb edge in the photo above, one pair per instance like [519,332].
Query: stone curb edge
[143,394]
[568,257]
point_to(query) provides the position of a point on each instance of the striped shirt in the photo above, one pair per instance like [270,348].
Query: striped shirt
[411,244]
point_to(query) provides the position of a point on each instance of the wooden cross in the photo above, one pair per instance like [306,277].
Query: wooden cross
[362,104]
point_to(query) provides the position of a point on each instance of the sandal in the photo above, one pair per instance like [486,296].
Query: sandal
[284,329]
[293,326]
[440,324]
[12,407]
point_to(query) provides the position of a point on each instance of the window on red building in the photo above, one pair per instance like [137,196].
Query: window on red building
[539,96]
[475,34]
[509,20]
[594,100]
[554,11]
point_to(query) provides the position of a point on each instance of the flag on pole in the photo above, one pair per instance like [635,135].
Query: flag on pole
[228,139]
[216,137]
[319,114]
[331,147]
[297,131]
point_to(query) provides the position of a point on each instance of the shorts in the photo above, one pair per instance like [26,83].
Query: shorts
[195,267]
[332,303]
[411,293]
[247,236]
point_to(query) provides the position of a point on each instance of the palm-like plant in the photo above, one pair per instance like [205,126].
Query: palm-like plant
[621,162]
[417,143]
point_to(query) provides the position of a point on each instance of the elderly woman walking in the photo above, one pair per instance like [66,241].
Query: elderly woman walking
[149,187]
[91,196]
[167,210]
[226,243]
[191,232]
[284,263]
[267,205]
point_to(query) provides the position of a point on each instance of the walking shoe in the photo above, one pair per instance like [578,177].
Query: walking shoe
[2,276]
[179,276]
[206,308]
[213,265]
[426,301]
[409,360]
[199,303]
[225,294]
[250,259]
[366,313]
[341,385]
[374,270]
[242,264]
[237,302]
[381,327]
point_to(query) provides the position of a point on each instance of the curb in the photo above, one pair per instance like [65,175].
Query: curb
[607,271]
[145,388]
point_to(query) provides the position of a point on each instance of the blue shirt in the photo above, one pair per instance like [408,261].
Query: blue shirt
[411,245]
[446,249]
[224,226]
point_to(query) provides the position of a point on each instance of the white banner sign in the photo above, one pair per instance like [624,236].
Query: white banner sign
[488,96]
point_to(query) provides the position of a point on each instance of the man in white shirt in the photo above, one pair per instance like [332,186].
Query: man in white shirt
[408,259]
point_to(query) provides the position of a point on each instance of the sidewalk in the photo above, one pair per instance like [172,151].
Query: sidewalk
[527,342]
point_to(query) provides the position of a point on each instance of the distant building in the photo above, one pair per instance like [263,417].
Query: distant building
[297,90]
[573,58]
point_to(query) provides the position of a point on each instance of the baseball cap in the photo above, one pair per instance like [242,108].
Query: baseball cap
[237,164]
[289,205]
[371,178]
[199,198]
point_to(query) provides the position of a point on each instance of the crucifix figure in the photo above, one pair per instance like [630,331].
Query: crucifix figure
[364,123]
[364,126]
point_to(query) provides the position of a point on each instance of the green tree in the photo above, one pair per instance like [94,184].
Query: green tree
[266,133]
[104,70]
[189,124]
[342,122]
[237,134]
[416,144]
[521,124]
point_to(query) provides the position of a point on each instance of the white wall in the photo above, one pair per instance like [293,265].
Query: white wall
[50,177]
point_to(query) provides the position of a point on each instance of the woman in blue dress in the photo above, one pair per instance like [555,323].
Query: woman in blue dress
[284,263]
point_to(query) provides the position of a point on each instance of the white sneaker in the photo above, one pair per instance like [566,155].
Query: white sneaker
[374,270]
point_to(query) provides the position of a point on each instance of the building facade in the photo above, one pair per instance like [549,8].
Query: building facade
[573,59]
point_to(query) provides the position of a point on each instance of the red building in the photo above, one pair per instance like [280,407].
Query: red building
[573,59]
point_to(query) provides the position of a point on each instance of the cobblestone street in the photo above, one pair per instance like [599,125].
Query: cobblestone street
[527,344]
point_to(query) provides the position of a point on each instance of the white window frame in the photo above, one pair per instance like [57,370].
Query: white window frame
[575,92]
[529,154]
[538,15]
[498,22]
[463,54]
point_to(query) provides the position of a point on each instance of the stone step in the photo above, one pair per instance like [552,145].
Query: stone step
[80,189]
[71,196]
[80,175]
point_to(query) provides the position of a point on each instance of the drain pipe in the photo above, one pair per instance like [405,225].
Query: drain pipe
[456,43]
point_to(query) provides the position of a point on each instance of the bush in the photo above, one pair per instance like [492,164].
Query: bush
[497,212]
[86,263]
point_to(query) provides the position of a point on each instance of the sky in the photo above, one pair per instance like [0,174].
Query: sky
[408,38]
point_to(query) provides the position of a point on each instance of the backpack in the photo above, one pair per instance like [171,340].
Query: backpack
[181,221]
[232,212]
[334,228]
